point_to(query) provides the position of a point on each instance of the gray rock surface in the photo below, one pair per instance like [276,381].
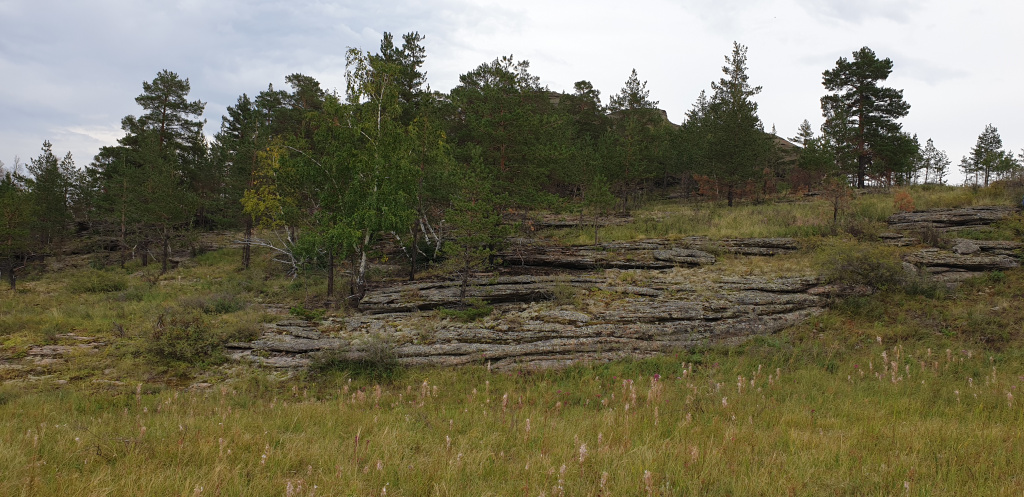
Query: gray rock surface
[951,219]
[633,321]
[644,254]
[952,267]
[966,247]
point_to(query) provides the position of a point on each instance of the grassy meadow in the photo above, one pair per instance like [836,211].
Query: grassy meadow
[898,393]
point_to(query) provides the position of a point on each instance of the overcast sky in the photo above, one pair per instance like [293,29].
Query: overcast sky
[71,69]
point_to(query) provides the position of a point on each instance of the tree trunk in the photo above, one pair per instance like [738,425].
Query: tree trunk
[166,251]
[862,169]
[330,273]
[11,279]
[412,256]
[247,245]
[465,279]
[361,278]
[729,195]
[145,253]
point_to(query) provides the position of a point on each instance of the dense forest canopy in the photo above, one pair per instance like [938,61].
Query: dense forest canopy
[320,177]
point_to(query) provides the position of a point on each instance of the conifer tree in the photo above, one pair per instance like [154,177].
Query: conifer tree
[738,148]
[15,224]
[861,116]
[52,185]
[987,160]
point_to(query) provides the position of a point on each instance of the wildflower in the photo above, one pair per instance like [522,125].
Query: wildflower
[583,453]
[649,482]
[725,402]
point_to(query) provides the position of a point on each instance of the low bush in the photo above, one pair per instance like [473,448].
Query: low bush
[300,311]
[215,303]
[96,281]
[476,309]
[184,337]
[854,264]
[374,360]
[565,294]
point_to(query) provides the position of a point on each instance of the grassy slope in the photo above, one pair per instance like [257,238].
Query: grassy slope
[889,394]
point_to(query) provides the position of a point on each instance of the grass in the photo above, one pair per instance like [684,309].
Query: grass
[898,393]
[865,216]
[827,408]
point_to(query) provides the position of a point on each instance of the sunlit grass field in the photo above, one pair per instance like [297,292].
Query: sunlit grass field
[891,394]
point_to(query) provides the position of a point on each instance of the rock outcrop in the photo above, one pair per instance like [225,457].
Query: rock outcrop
[644,254]
[617,320]
[955,267]
[951,219]
[647,254]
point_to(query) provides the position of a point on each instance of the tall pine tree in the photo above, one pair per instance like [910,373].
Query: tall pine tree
[860,115]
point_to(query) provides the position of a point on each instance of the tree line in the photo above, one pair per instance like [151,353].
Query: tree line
[321,177]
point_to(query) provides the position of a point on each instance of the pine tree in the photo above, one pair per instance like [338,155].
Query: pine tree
[638,139]
[500,110]
[15,224]
[738,147]
[804,134]
[935,163]
[149,181]
[988,161]
[860,115]
[51,185]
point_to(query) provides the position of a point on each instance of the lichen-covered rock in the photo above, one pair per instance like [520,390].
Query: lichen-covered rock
[951,219]
[936,258]
[635,321]
[966,247]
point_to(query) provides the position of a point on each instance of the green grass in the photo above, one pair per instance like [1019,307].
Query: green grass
[799,218]
[888,394]
[898,393]
[826,409]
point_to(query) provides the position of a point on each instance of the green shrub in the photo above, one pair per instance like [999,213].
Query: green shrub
[184,337]
[565,294]
[307,314]
[96,281]
[216,303]
[374,360]
[476,309]
[854,264]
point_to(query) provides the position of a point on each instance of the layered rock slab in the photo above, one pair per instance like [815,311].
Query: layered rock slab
[616,322]
[975,217]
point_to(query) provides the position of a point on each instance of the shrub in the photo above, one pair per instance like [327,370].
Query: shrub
[852,264]
[96,281]
[903,202]
[476,309]
[933,237]
[375,360]
[216,303]
[565,294]
[184,337]
[307,314]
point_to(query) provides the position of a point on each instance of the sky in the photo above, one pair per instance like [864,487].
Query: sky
[71,69]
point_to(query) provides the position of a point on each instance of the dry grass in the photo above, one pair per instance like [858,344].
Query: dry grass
[798,219]
[892,394]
